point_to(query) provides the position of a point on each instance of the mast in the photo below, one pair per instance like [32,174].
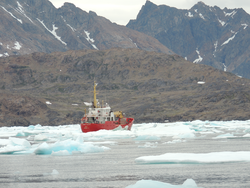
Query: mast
[95,101]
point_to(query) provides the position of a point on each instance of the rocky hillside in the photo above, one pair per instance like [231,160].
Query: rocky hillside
[50,88]
[202,34]
[28,26]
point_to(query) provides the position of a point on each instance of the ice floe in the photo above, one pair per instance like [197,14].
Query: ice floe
[195,158]
[189,183]
[69,140]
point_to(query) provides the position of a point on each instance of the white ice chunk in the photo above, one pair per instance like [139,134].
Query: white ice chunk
[68,145]
[185,135]
[54,172]
[15,145]
[62,152]
[175,141]
[40,137]
[246,135]
[19,142]
[227,135]
[195,158]
[149,145]
[4,142]
[189,183]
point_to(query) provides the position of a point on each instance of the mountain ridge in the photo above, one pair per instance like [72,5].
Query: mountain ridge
[29,26]
[202,34]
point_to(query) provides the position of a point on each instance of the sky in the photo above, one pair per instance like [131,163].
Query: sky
[121,12]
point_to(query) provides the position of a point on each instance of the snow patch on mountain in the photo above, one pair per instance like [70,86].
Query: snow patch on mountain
[221,22]
[230,14]
[134,43]
[17,46]
[21,11]
[225,67]
[189,14]
[215,48]
[90,40]
[53,32]
[201,16]
[228,40]
[73,29]
[4,55]
[245,25]
[199,57]
[12,15]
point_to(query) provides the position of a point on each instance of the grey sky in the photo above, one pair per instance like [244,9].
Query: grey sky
[121,12]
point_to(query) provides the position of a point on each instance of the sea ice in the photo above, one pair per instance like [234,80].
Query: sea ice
[53,173]
[68,145]
[195,158]
[68,139]
[149,145]
[146,137]
[189,183]
[227,135]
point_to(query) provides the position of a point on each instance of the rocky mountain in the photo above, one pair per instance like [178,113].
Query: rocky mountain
[50,89]
[202,34]
[28,26]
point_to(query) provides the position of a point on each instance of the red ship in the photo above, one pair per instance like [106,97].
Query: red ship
[102,117]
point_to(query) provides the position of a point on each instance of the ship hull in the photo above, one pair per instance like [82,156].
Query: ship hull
[108,125]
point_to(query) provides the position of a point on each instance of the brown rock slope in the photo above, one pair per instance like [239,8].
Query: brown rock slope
[148,86]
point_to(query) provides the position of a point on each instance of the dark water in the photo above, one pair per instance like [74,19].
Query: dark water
[116,167]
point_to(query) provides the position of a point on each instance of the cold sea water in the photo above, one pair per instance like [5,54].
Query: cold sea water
[115,166]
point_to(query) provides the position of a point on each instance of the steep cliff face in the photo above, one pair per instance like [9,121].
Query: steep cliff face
[203,34]
[28,26]
[50,88]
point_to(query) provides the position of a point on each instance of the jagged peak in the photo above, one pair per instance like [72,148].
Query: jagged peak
[92,13]
[66,4]
[200,4]
[149,3]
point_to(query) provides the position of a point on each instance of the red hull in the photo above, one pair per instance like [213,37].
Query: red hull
[108,125]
